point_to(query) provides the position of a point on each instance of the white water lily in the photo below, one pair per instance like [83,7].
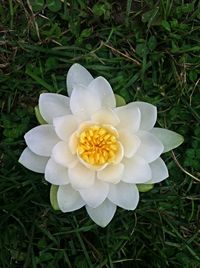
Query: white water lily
[96,152]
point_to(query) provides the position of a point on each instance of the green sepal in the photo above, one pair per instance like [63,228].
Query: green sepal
[120,101]
[53,197]
[143,188]
[40,119]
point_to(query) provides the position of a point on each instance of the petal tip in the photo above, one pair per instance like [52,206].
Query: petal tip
[168,138]
[103,214]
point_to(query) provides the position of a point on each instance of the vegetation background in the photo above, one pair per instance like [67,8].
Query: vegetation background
[149,51]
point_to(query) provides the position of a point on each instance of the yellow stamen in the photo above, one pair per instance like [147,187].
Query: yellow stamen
[97,145]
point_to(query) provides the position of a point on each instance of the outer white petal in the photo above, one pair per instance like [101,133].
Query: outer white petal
[83,103]
[41,139]
[76,75]
[129,118]
[105,116]
[150,147]
[103,214]
[159,171]
[130,143]
[55,173]
[52,105]
[124,195]
[62,155]
[96,194]
[100,86]
[81,177]
[111,173]
[136,170]
[69,199]
[33,161]
[148,114]
[65,126]
[169,139]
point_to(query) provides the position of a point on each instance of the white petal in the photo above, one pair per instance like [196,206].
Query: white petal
[129,118]
[169,139]
[103,214]
[73,143]
[124,195]
[159,171]
[111,173]
[100,86]
[130,143]
[96,194]
[136,170]
[150,147]
[52,105]
[41,139]
[33,161]
[76,75]
[81,177]
[105,116]
[62,155]
[84,125]
[65,126]
[69,199]
[55,173]
[119,154]
[83,103]
[148,114]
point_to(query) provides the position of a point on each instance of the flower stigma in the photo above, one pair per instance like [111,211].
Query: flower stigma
[98,145]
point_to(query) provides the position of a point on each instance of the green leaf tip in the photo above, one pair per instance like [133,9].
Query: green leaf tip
[53,197]
[39,117]
[54,5]
[143,188]
[169,139]
[120,101]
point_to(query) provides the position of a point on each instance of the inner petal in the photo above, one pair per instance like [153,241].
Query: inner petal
[98,145]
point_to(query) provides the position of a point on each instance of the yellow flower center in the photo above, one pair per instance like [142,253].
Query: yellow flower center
[97,145]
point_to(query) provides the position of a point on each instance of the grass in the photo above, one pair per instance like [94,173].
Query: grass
[148,50]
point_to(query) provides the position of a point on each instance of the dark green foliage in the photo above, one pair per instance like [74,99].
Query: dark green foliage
[148,50]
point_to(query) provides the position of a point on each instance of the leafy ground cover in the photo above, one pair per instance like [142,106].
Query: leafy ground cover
[148,50]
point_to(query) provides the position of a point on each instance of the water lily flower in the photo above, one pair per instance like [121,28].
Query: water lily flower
[95,152]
